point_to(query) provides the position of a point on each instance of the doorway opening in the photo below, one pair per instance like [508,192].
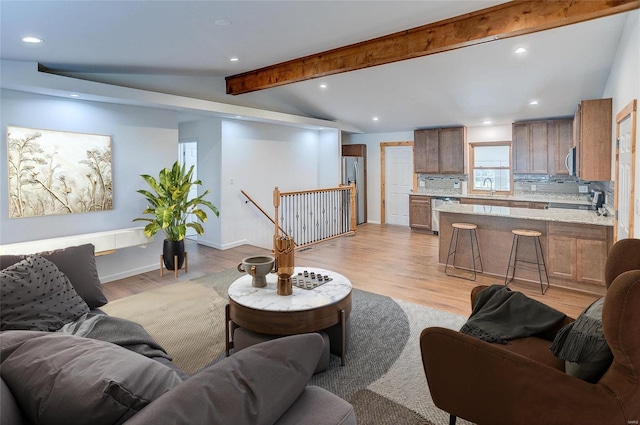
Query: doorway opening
[188,155]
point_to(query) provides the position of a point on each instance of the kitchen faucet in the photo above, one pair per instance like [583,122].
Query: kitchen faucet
[491,188]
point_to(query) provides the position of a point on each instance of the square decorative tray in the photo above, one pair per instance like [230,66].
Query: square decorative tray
[309,280]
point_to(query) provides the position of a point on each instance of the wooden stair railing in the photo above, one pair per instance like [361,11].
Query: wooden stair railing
[250,199]
[312,216]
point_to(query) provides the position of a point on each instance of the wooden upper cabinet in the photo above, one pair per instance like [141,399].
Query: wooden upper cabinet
[593,139]
[520,147]
[530,148]
[540,147]
[439,150]
[539,164]
[420,151]
[354,150]
[560,142]
[451,152]
[426,151]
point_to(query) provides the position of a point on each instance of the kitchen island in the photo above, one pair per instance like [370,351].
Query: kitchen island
[575,242]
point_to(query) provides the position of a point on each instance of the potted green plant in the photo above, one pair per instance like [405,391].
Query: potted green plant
[170,207]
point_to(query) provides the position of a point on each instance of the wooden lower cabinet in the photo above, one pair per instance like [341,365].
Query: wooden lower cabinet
[561,257]
[420,212]
[591,258]
[578,253]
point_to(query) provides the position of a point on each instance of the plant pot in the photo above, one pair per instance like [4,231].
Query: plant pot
[169,250]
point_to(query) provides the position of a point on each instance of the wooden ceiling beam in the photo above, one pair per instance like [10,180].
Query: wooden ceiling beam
[506,20]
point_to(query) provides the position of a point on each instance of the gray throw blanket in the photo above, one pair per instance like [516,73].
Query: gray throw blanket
[122,332]
[501,314]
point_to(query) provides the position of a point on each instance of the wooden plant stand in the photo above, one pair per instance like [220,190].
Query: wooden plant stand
[175,262]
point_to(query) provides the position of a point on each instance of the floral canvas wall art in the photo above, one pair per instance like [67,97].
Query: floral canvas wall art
[57,172]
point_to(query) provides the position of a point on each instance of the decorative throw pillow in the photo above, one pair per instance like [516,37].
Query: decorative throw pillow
[61,379]
[583,346]
[9,260]
[79,264]
[36,296]
[252,387]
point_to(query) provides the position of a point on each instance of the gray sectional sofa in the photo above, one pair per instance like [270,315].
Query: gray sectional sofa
[63,362]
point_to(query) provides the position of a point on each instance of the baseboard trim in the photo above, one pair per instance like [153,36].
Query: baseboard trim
[224,246]
[129,273]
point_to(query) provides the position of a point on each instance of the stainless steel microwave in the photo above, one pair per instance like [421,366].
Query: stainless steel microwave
[570,161]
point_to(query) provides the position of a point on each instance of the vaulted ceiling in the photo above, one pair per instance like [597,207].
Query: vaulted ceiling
[186,47]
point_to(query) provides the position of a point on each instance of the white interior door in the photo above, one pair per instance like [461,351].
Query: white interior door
[624,179]
[188,155]
[398,173]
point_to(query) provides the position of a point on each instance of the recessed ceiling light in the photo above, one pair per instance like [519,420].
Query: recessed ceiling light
[323,86]
[520,50]
[222,22]
[234,59]
[486,122]
[376,118]
[74,95]
[33,40]
[533,102]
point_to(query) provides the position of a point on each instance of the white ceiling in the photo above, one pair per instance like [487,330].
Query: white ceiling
[176,47]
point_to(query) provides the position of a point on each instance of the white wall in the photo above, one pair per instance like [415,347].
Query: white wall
[493,133]
[235,155]
[256,158]
[143,141]
[623,86]
[329,158]
[208,134]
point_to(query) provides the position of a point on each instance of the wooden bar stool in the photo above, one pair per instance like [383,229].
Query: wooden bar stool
[453,249]
[540,265]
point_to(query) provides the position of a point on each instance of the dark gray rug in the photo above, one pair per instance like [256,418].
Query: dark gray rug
[383,377]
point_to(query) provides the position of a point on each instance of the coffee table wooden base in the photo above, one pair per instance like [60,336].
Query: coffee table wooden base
[285,323]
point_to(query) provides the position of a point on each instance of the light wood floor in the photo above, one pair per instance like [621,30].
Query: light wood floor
[385,259]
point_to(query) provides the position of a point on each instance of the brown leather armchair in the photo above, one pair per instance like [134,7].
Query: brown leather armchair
[523,383]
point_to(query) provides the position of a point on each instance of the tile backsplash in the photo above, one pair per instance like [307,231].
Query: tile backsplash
[608,189]
[523,184]
[440,182]
[565,185]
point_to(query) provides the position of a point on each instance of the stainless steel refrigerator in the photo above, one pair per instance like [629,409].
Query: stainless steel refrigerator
[353,171]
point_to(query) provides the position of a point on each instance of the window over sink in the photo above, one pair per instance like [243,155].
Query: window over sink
[490,168]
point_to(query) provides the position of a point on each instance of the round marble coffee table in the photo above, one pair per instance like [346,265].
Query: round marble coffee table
[263,311]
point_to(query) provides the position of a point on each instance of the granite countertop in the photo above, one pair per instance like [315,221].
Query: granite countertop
[557,215]
[528,197]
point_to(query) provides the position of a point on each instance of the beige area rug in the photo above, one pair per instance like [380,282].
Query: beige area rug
[383,377]
[186,318]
